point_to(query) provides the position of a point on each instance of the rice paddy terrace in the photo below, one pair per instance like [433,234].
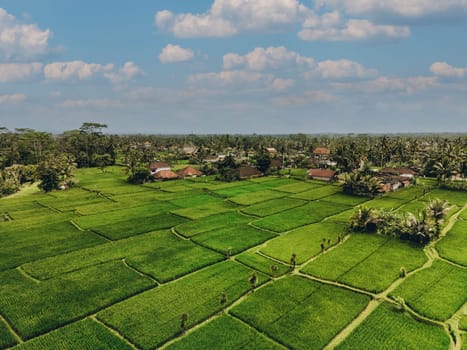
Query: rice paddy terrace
[108,265]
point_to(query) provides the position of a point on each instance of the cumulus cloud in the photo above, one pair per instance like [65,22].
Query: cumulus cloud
[280,85]
[263,58]
[230,17]
[12,99]
[308,97]
[21,40]
[400,8]
[127,72]
[18,71]
[94,103]
[230,78]
[444,69]
[343,69]
[175,53]
[353,29]
[74,70]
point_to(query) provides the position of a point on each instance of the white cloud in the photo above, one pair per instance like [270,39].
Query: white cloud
[125,73]
[12,99]
[94,103]
[263,58]
[230,78]
[308,97]
[353,29]
[229,17]
[444,69]
[387,84]
[21,41]
[343,69]
[280,85]
[401,8]
[18,71]
[74,70]
[175,53]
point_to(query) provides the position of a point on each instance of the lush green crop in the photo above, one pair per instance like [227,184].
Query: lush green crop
[35,308]
[257,197]
[366,261]
[6,338]
[158,312]
[305,242]
[387,328]
[225,333]
[458,198]
[436,292]
[454,245]
[152,253]
[300,216]
[300,313]
[299,186]
[341,198]
[273,206]
[263,264]
[23,245]
[387,203]
[318,193]
[86,334]
[205,210]
[232,238]
[195,200]
[211,222]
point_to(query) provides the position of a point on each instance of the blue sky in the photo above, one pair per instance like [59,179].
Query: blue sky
[235,66]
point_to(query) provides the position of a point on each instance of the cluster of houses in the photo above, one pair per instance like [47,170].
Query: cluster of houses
[163,171]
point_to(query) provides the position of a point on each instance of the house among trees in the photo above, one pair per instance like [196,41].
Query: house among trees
[247,172]
[189,172]
[271,150]
[163,175]
[321,156]
[322,174]
[394,178]
[156,167]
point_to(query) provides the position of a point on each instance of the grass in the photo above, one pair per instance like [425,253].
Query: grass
[298,186]
[273,206]
[300,313]
[158,311]
[6,338]
[345,199]
[24,245]
[195,200]
[293,218]
[458,198]
[152,253]
[36,308]
[436,292]
[318,193]
[258,197]
[204,210]
[234,238]
[262,264]
[211,222]
[454,245]
[409,193]
[387,328]
[387,203]
[225,333]
[366,261]
[305,242]
[87,333]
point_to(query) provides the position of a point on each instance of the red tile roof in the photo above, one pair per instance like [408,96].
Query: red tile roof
[322,150]
[165,175]
[321,173]
[158,165]
[189,171]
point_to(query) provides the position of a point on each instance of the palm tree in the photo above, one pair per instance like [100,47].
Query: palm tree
[253,280]
[363,220]
[293,261]
[437,209]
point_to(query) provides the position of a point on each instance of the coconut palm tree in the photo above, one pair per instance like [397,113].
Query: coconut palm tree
[437,209]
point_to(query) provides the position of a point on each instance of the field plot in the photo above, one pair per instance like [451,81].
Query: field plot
[342,217]
[6,338]
[195,200]
[75,198]
[436,292]
[35,308]
[387,203]
[366,261]
[27,244]
[300,216]
[454,245]
[242,188]
[273,206]
[234,238]
[149,253]
[318,193]
[263,264]
[299,186]
[409,193]
[458,198]
[225,333]
[158,311]
[208,223]
[205,210]
[257,197]
[300,313]
[87,333]
[305,242]
[387,328]
[345,199]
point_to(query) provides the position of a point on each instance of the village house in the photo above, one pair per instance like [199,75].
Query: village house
[165,175]
[248,172]
[271,150]
[321,157]
[156,167]
[189,172]
[322,174]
